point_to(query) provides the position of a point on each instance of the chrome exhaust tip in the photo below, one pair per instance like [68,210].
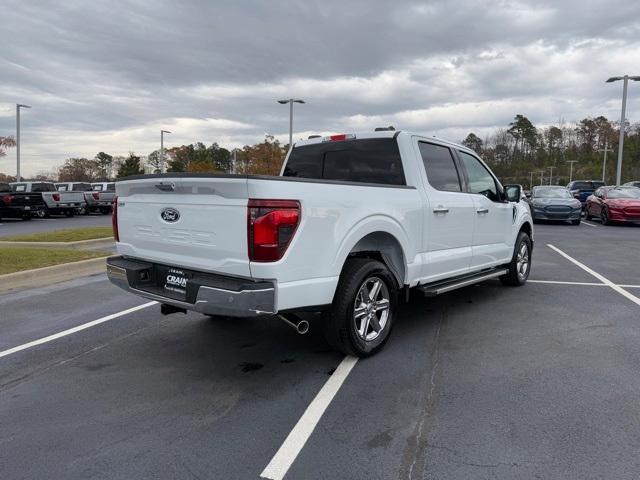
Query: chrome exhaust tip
[299,325]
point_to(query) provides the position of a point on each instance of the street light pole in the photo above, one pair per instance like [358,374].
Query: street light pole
[551,174]
[604,161]
[571,162]
[530,180]
[625,80]
[541,172]
[162,132]
[18,107]
[290,101]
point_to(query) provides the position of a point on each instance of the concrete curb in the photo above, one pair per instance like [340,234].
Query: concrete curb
[96,242]
[40,277]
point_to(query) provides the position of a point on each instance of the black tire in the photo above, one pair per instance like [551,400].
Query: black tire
[69,213]
[575,222]
[339,324]
[105,210]
[26,217]
[587,215]
[513,277]
[604,216]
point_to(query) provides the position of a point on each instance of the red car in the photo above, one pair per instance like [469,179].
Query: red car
[614,204]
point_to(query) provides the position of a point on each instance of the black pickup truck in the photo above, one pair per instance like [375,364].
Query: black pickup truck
[18,204]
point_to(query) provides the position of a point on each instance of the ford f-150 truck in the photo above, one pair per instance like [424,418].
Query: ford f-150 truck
[352,221]
[55,202]
[19,205]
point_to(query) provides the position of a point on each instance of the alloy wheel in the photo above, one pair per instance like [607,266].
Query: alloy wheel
[522,261]
[371,308]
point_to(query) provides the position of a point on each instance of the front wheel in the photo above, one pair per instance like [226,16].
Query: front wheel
[363,309]
[520,264]
[604,217]
[575,222]
[26,217]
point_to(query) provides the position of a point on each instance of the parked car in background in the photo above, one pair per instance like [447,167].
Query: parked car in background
[106,192]
[614,204]
[581,189]
[635,183]
[353,220]
[96,201]
[554,203]
[55,202]
[19,205]
[84,187]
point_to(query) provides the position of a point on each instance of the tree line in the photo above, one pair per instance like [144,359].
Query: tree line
[263,158]
[520,151]
[517,153]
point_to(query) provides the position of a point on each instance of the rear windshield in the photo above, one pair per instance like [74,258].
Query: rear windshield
[373,160]
[81,187]
[111,187]
[97,187]
[43,187]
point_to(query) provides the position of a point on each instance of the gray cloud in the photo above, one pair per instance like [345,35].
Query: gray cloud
[108,75]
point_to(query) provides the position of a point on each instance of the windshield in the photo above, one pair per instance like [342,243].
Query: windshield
[586,185]
[551,193]
[624,193]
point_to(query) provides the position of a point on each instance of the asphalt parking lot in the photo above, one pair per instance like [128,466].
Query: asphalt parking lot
[16,226]
[485,382]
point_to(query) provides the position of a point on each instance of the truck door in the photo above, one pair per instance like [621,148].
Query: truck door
[493,215]
[449,215]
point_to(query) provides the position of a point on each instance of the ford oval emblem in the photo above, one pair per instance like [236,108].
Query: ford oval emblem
[170,215]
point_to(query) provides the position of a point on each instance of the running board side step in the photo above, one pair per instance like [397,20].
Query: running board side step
[436,288]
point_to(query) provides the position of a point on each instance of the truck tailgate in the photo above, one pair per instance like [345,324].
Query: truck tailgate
[197,223]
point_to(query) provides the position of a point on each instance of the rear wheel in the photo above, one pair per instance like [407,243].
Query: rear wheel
[105,210]
[362,314]
[520,264]
[69,213]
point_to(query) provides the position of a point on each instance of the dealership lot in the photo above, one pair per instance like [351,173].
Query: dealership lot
[484,382]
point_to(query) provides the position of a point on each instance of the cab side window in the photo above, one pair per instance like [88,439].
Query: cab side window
[442,173]
[480,180]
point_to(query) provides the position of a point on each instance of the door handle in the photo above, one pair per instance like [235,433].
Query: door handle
[482,210]
[440,209]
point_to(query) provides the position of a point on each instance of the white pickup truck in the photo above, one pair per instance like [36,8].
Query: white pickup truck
[55,202]
[352,221]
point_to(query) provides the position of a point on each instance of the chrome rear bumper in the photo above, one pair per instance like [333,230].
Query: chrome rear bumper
[207,293]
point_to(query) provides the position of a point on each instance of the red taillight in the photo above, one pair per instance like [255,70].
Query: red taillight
[114,219]
[271,225]
[95,195]
[8,199]
[56,197]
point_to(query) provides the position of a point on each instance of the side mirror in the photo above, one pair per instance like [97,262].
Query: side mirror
[513,192]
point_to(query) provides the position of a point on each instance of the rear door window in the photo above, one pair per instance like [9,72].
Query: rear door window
[373,160]
[442,173]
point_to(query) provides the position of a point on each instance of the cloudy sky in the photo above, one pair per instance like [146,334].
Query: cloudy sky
[109,75]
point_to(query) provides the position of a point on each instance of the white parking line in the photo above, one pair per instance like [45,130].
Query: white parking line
[584,222]
[295,441]
[79,328]
[602,278]
[559,282]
